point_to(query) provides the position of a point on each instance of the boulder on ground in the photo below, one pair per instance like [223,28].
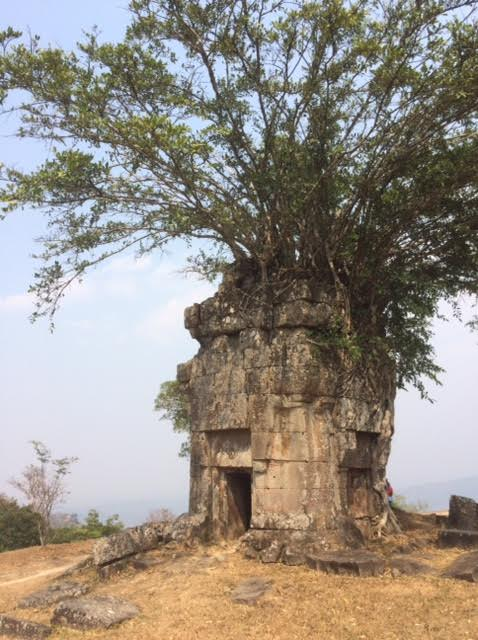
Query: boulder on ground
[458,538]
[348,562]
[249,591]
[463,514]
[100,612]
[23,628]
[53,594]
[465,567]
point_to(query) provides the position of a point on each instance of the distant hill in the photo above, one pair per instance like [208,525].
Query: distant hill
[437,494]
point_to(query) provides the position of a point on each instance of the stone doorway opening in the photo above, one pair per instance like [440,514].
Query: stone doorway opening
[239,499]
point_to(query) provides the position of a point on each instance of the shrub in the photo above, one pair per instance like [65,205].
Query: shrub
[18,525]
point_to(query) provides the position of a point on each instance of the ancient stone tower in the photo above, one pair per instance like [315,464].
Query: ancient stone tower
[289,437]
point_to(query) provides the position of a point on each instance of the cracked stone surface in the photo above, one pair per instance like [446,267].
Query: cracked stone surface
[249,591]
[53,594]
[101,612]
[23,628]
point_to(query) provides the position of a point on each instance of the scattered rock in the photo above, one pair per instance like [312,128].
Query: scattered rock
[249,591]
[348,562]
[23,628]
[101,612]
[464,568]
[53,594]
[403,565]
[458,538]
[463,514]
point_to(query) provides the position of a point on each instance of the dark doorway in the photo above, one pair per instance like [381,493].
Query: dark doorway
[239,503]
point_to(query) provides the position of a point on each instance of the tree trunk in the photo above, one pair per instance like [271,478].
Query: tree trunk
[290,436]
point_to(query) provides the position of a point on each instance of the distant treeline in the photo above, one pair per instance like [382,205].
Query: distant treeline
[19,526]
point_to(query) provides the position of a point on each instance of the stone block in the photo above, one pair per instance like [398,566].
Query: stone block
[280,500]
[458,538]
[230,448]
[274,445]
[302,313]
[286,521]
[282,475]
[463,514]
[354,563]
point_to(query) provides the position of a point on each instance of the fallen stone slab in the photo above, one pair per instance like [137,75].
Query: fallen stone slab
[100,612]
[53,594]
[23,628]
[403,565]
[348,562]
[465,567]
[249,591]
[458,538]
[127,543]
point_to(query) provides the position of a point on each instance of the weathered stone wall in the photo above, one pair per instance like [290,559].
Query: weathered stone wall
[271,395]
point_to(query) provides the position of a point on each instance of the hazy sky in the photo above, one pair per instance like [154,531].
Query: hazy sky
[88,389]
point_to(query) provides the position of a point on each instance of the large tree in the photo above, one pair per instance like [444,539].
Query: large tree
[334,141]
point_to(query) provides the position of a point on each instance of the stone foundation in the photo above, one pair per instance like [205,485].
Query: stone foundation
[289,436]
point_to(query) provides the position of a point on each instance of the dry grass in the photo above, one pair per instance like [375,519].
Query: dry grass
[188,598]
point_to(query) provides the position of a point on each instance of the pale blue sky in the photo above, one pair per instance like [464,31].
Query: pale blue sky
[88,389]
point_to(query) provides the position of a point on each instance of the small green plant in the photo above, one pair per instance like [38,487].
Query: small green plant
[172,403]
[401,502]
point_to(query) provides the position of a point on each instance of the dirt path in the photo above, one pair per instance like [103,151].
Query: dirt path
[43,574]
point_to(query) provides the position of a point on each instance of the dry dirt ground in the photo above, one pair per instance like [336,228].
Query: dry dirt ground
[188,597]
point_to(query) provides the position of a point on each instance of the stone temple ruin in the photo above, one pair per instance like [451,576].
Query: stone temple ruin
[283,443]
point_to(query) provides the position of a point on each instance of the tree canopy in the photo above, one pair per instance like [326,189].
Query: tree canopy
[335,140]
